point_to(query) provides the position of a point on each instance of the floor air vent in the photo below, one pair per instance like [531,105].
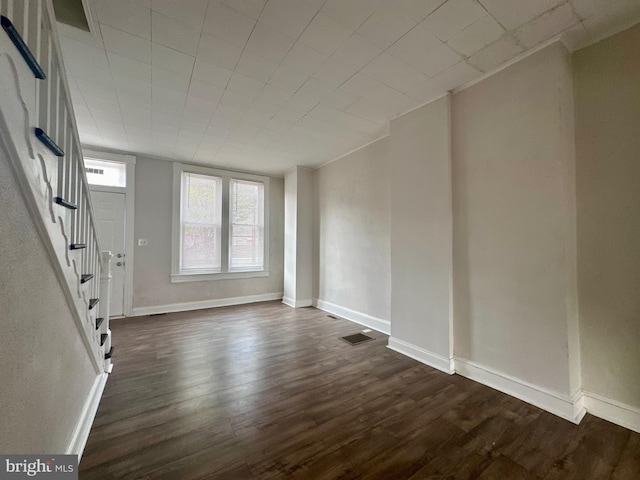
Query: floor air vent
[356,338]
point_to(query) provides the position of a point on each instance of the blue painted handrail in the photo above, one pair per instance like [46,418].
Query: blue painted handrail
[50,144]
[22,47]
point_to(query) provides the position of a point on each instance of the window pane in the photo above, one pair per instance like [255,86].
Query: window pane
[111,174]
[201,219]
[247,225]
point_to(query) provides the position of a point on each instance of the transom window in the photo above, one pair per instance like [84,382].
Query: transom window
[220,225]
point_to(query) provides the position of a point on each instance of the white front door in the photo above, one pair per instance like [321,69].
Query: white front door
[109,209]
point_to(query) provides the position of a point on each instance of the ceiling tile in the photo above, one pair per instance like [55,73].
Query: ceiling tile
[290,17]
[325,34]
[495,54]
[476,36]
[129,68]
[350,13]
[300,103]
[453,17]
[173,34]
[230,113]
[287,78]
[269,43]
[218,52]
[212,74]
[274,95]
[125,44]
[170,59]
[423,51]
[245,85]
[547,25]
[318,91]
[418,9]
[235,100]
[140,90]
[166,78]
[250,8]
[393,72]
[190,12]
[124,15]
[356,52]
[288,116]
[304,59]
[228,24]
[386,25]
[334,72]
[456,76]
[513,13]
[450,79]
[255,66]
[340,99]
[370,111]
[205,91]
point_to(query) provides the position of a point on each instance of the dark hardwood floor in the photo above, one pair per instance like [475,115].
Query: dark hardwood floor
[266,392]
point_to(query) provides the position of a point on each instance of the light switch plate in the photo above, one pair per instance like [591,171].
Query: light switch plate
[143,242]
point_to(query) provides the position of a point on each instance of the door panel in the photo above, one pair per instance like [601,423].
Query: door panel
[109,209]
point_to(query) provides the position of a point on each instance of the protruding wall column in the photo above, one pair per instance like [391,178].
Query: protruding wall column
[298,237]
[421,235]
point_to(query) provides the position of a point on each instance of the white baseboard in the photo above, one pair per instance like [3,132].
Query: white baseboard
[423,356]
[564,406]
[220,302]
[297,303]
[613,411]
[379,324]
[83,427]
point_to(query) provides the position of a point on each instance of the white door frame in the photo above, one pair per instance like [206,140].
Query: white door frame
[129,192]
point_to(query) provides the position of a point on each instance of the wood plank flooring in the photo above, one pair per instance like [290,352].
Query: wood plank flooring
[268,392]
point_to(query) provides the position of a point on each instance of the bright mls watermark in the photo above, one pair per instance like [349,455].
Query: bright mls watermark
[51,467]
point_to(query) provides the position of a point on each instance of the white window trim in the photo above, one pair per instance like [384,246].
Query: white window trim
[179,277]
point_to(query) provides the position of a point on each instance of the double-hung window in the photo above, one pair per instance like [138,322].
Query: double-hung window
[220,224]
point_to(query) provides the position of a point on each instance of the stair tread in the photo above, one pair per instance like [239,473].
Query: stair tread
[86,277]
[61,201]
[93,302]
[99,322]
[48,142]
[22,47]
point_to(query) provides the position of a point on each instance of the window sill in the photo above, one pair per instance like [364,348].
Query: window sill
[208,277]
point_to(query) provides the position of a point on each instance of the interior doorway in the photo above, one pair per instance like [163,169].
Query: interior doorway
[111,179]
[110,216]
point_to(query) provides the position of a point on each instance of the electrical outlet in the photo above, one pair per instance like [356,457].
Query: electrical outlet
[143,242]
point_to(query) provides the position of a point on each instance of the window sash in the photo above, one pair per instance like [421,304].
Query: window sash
[252,256]
[212,258]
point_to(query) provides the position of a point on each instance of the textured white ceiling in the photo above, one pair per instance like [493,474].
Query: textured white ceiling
[264,85]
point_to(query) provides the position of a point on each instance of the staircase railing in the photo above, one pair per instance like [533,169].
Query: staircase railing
[40,136]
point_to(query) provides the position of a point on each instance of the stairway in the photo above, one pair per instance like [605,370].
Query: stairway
[39,135]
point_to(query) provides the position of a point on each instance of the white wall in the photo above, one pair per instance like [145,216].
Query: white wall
[352,235]
[607,95]
[46,374]
[290,223]
[298,217]
[304,235]
[421,229]
[514,221]
[152,286]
